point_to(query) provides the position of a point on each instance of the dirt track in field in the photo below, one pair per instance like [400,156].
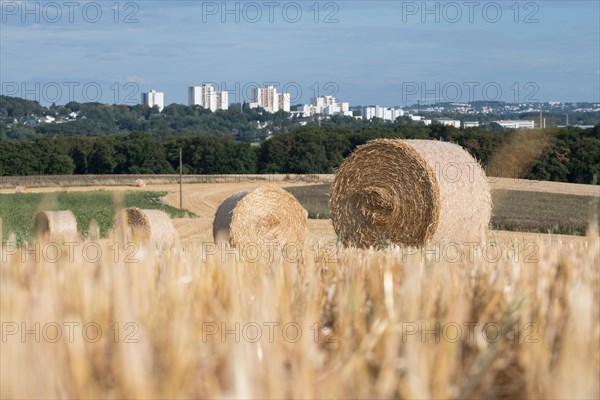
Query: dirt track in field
[495,184]
[203,199]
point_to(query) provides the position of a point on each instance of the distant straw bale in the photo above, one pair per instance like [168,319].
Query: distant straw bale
[55,225]
[146,226]
[265,214]
[409,192]
[20,189]
[139,183]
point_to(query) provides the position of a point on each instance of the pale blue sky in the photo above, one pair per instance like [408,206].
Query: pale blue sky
[368,52]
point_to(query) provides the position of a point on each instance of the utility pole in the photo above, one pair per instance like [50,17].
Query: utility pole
[180,179]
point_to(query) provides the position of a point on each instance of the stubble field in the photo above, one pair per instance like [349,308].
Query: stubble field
[514,316]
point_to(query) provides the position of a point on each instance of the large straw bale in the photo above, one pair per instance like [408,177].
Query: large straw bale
[20,189]
[55,225]
[146,226]
[265,214]
[409,192]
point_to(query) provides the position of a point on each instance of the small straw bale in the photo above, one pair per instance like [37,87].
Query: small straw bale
[139,183]
[146,226]
[20,189]
[53,225]
[409,192]
[265,214]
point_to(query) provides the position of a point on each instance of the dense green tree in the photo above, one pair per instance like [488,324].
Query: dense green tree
[21,132]
[59,164]
[272,155]
[307,153]
[102,159]
[141,153]
[80,149]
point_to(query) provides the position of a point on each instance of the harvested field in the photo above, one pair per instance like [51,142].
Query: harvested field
[518,211]
[204,199]
[17,211]
[182,322]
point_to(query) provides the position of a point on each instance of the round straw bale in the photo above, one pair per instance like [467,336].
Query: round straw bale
[409,192]
[20,189]
[146,226]
[265,214]
[55,225]
[139,183]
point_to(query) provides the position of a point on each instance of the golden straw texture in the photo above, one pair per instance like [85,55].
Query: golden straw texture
[408,192]
[55,225]
[264,214]
[153,226]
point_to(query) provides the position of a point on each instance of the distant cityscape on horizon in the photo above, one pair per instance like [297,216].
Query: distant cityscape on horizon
[466,115]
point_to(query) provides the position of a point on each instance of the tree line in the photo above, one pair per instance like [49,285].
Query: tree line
[19,120]
[566,154]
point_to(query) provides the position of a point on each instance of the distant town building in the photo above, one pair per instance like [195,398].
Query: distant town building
[384,113]
[222,100]
[271,101]
[576,126]
[449,122]
[516,124]
[284,101]
[207,97]
[326,105]
[470,124]
[154,98]
[419,118]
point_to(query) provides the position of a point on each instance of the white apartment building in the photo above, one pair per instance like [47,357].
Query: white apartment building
[207,97]
[154,98]
[386,114]
[326,105]
[449,122]
[222,100]
[271,101]
[420,118]
[284,101]
[470,124]
[515,124]
[337,108]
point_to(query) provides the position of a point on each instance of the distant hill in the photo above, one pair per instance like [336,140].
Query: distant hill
[22,119]
[14,107]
